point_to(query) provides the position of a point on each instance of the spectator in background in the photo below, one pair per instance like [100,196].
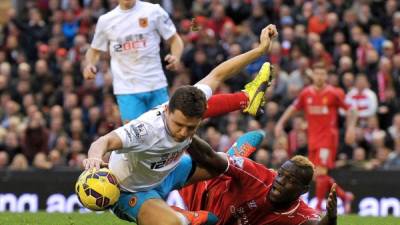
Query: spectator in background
[394,130]
[377,39]
[36,139]
[318,22]
[279,152]
[217,140]
[299,77]
[238,10]
[393,161]
[19,163]
[258,20]
[12,145]
[347,81]
[298,128]
[41,161]
[4,159]
[359,159]
[362,98]
[394,30]
[263,157]
[33,32]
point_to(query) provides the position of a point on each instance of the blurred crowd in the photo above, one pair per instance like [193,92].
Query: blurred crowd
[49,115]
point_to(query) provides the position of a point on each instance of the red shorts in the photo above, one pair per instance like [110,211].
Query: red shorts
[323,157]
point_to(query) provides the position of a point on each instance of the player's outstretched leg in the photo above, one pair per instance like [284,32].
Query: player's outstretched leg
[257,87]
[246,144]
[198,217]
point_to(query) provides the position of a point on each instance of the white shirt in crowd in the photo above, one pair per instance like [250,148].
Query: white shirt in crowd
[149,153]
[133,39]
[364,101]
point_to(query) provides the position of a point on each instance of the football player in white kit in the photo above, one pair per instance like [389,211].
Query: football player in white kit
[132,33]
[147,152]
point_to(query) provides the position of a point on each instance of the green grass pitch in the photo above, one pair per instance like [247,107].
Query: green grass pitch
[43,218]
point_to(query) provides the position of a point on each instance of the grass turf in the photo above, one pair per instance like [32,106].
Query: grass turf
[43,218]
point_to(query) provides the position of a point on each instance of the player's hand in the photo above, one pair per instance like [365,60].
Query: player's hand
[267,34]
[91,163]
[331,206]
[89,72]
[173,62]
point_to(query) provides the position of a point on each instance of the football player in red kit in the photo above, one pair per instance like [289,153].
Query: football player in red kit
[249,193]
[321,103]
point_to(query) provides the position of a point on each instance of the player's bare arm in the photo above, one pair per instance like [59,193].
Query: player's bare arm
[231,67]
[210,163]
[92,57]
[282,121]
[331,210]
[173,59]
[351,126]
[101,146]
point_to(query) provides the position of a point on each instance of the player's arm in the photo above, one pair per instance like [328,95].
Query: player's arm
[101,146]
[91,59]
[209,162]
[284,118]
[176,44]
[99,44]
[232,66]
[331,211]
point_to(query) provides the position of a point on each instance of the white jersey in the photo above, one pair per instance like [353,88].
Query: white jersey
[133,39]
[149,153]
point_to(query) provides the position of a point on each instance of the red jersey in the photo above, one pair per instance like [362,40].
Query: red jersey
[240,197]
[321,108]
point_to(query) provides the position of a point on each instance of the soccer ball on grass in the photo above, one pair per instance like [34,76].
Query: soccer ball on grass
[97,189]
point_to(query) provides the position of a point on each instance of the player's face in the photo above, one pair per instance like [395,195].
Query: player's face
[287,185]
[180,126]
[319,77]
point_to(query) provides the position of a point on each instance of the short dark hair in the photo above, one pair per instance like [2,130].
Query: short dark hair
[319,65]
[306,166]
[190,100]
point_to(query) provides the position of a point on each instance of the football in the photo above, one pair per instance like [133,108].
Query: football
[97,189]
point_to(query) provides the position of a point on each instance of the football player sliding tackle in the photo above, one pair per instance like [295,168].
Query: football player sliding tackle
[148,154]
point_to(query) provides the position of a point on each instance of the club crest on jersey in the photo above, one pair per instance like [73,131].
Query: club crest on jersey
[132,201]
[143,22]
[238,161]
[325,100]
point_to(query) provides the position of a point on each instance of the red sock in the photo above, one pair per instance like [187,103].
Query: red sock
[225,103]
[321,189]
[341,193]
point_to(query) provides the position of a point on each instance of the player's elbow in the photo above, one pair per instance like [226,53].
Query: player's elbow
[216,163]
[175,40]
